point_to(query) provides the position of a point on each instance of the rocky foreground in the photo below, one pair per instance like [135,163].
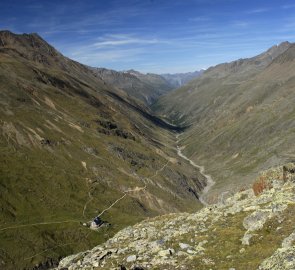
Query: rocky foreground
[253,229]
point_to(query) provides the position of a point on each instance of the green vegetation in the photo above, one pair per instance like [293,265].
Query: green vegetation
[71,145]
[242,232]
[241,117]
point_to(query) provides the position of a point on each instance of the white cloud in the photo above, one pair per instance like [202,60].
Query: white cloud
[241,24]
[288,6]
[107,43]
[199,19]
[121,40]
[258,10]
[92,57]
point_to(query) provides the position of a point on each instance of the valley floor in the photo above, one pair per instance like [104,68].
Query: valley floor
[209,181]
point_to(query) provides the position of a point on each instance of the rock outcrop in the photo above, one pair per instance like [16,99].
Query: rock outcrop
[244,232]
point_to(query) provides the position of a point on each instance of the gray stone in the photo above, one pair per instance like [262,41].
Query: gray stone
[256,220]
[246,238]
[289,241]
[131,258]
[166,252]
[190,251]
[184,246]
[95,264]
[282,259]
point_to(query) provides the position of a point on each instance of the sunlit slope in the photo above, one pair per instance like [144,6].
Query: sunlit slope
[70,146]
[241,114]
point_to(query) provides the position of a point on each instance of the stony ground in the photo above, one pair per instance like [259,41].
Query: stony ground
[245,231]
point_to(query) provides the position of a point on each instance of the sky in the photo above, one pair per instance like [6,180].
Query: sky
[158,36]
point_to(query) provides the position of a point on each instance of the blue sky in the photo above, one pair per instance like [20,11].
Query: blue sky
[154,35]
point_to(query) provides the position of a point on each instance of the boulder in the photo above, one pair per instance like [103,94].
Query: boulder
[131,258]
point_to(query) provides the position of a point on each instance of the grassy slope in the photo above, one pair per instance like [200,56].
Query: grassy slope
[53,120]
[241,122]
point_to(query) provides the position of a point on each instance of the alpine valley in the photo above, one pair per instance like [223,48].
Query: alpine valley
[127,172]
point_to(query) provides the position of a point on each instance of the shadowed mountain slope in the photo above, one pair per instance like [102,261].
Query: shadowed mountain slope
[72,145]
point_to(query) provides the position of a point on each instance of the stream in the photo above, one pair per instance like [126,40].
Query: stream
[210,182]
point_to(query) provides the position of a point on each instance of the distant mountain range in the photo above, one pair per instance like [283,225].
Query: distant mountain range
[179,79]
[145,87]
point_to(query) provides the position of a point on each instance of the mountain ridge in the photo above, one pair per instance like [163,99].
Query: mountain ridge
[145,87]
[255,64]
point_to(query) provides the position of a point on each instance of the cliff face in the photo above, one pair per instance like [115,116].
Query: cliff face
[242,231]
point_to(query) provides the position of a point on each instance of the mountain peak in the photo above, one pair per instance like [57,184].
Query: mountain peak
[31,47]
[26,43]
[276,50]
[285,43]
[133,72]
[249,66]
[8,38]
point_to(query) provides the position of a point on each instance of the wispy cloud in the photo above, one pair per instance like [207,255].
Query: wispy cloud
[154,35]
[241,24]
[56,19]
[258,10]
[121,40]
[91,57]
[288,25]
[111,48]
[288,6]
[199,19]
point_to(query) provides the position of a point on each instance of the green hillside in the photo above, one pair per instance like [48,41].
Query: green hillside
[241,117]
[71,145]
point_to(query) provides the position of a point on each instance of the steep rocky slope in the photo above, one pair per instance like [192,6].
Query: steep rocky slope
[72,145]
[241,116]
[243,231]
[145,87]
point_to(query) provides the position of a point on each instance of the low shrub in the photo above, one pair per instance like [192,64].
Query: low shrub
[260,185]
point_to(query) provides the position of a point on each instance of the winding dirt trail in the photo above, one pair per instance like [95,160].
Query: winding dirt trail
[209,180]
[136,189]
[121,198]
[38,224]
[87,202]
